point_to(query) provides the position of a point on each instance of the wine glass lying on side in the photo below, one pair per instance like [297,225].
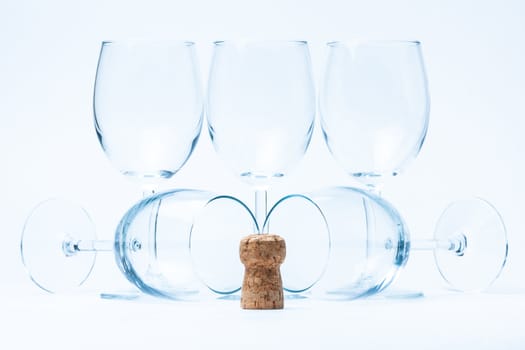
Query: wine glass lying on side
[59,246]
[469,244]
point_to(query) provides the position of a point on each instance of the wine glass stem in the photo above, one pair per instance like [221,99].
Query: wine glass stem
[71,247]
[261,209]
[456,244]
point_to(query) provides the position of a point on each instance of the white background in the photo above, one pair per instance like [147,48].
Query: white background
[474,53]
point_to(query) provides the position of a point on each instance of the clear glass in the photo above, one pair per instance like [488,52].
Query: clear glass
[44,245]
[479,243]
[148,106]
[261,109]
[367,253]
[303,225]
[374,106]
[59,247]
[359,263]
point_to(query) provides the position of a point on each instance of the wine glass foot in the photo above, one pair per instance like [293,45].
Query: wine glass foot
[48,245]
[472,245]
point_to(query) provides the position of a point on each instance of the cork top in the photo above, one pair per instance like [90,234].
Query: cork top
[262,250]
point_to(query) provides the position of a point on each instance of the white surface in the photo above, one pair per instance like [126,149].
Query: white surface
[437,322]
[474,53]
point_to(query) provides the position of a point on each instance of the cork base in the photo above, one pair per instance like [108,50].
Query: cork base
[262,287]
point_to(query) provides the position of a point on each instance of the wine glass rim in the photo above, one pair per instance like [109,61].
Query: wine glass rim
[147,41]
[268,42]
[385,43]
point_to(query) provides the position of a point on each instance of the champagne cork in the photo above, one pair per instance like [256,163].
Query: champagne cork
[262,287]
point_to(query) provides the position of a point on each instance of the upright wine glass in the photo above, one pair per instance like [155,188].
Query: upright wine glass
[260,110]
[148,107]
[148,110]
[374,106]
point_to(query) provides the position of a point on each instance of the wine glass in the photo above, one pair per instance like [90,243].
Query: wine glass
[59,246]
[374,106]
[260,110]
[148,107]
[469,245]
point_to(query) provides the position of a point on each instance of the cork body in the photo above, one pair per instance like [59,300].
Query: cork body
[262,256]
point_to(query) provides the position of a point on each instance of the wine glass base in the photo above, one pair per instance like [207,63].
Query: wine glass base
[472,245]
[48,242]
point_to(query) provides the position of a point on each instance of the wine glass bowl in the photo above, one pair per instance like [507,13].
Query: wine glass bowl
[374,107]
[195,235]
[148,106]
[356,262]
[261,106]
